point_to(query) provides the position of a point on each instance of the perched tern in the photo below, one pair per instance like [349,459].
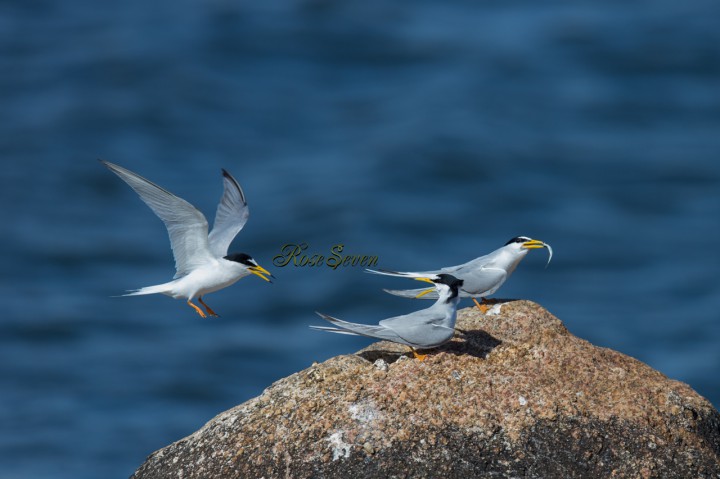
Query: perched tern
[481,277]
[202,262]
[427,328]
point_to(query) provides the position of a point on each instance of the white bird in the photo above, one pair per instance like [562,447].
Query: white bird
[427,328]
[202,262]
[482,276]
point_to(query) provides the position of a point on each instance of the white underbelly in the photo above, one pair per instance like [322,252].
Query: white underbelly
[203,281]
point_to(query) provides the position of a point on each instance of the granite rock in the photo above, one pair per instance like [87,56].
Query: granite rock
[512,395]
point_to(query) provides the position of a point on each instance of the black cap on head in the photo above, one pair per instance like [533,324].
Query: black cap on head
[242,258]
[449,280]
[518,239]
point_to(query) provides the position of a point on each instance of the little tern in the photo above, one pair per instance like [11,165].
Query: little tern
[202,262]
[427,328]
[481,277]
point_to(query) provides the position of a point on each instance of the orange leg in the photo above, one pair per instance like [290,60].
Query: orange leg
[482,307]
[418,356]
[207,308]
[197,310]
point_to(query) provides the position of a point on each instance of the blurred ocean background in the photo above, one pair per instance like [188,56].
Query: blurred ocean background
[426,133]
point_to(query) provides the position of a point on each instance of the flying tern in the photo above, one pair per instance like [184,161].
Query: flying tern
[202,262]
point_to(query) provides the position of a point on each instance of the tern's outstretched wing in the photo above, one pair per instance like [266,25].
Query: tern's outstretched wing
[186,225]
[232,214]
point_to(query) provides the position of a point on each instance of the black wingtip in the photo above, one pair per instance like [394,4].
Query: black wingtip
[230,177]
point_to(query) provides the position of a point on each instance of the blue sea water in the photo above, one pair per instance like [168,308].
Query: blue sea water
[424,133]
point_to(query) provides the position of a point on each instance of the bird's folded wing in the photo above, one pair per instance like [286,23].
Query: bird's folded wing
[413,327]
[232,214]
[345,327]
[186,225]
[422,317]
[481,281]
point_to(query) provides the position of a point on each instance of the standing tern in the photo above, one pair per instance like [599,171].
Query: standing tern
[482,276]
[202,262]
[427,328]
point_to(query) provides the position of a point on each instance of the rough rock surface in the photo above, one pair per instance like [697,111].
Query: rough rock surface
[516,396]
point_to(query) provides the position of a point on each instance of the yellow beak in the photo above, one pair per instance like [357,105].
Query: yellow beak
[429,290]
[533,244]
[261,272]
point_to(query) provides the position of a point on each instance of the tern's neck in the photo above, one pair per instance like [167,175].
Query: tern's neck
[447,297]
[508,258]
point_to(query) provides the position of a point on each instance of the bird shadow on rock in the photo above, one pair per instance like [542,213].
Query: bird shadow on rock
[476,343]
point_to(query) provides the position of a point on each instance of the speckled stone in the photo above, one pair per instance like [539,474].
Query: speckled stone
[514,394]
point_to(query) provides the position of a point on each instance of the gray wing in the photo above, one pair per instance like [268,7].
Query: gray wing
[345,327]
[480,282]
[232,214]
[402,274]
[428,293]
[453,270]
[417,328]
[477,282]
[186,225]
[422,317]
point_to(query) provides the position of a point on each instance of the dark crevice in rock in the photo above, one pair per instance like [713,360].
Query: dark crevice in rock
[388,356]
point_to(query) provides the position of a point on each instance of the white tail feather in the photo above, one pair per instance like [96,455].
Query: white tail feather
[157,289]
